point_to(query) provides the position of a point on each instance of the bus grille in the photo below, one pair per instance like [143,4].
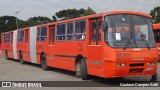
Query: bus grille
[136,70]
[136,64]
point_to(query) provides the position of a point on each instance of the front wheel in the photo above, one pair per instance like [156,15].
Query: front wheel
[78,69]
[154,78]
[84,70]
[44,62]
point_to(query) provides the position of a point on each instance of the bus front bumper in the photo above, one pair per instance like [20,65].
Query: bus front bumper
[130,69]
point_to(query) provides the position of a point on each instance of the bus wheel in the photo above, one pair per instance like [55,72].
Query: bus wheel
[78,71]
[21,58]
[154,77]
[6,55]
[44,62]
[84,70]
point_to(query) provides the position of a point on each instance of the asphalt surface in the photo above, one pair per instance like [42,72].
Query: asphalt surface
[12,70]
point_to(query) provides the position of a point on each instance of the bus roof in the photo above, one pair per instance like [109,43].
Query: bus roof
[104,14]
[96,15]
[128,12]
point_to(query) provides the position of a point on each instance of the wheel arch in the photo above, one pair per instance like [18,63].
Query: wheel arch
[78,59]
[41,55]
[20,51]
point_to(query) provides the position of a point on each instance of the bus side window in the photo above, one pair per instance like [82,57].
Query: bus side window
[21,36]
[157,35]
[42,34]
[80,30]
[93,31]
[3,38]
[11,37]
[69,31]
[7,37]
[26,36]
[100,29]
[52,35]
[61,28]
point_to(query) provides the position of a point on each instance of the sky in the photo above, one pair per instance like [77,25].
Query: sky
[31,8]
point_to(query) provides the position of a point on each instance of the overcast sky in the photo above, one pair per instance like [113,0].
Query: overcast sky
[31,8]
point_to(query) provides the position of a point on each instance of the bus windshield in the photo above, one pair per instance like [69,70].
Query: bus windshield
[131,31]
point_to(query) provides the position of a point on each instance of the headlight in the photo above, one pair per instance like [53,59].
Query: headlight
[151,63]
[121,65]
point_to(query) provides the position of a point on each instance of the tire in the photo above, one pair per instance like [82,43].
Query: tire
[78,71]
[21,58]
[6,55]
[154,78]
[44,62]
[84,70]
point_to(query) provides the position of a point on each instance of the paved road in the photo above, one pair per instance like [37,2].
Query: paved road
[12,70]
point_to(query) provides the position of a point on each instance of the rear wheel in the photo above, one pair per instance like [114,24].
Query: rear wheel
[44,62]
[6,55]
[21,58]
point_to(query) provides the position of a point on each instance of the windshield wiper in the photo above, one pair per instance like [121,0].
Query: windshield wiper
[127,43]
[147,44]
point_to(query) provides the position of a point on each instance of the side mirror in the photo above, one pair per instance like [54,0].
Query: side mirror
[105,26]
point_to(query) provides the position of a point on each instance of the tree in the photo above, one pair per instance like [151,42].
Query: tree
[7,23]
[54,18]
[155,13]
[37,21]
[89,11]
[73,13]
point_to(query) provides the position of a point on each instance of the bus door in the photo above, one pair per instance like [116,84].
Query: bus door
[95,43]
[51,43]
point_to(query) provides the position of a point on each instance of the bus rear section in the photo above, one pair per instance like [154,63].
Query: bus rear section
[7,45]
[156,30]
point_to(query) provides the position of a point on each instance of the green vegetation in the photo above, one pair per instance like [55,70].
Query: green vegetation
[73,13]
[155,13]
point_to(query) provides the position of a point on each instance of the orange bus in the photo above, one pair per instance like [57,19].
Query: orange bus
[111,44]
[156,31]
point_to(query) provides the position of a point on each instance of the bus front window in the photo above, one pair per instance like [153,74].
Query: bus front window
[131,31]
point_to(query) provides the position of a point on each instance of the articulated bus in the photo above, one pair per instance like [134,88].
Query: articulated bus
[109,45]
[156,31]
